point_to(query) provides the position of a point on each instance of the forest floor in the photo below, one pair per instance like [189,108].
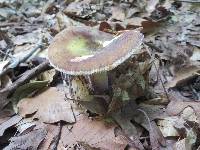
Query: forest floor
[35,112]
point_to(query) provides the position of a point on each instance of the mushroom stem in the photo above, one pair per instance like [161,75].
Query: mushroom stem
[100,82]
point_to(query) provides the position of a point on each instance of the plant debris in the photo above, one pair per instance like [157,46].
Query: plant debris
[115,74]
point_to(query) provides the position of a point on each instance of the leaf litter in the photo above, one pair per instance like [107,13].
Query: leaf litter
[47,116]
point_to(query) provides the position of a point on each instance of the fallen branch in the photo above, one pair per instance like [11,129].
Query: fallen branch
[27,76]
[16,62]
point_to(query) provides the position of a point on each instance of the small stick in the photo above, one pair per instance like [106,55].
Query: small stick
[16,63]
[147,117]
[6,54]
[26,77]
[54,143]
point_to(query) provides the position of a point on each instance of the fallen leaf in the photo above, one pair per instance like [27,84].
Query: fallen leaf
[5,81]
[30,140]
[167,128]
[125,124]
[79,9]
[118,14]
[49,106]
[63,21]
[9,123]
[5,13]
[3,44]
[182,76]
[136,21]
[169,144]
[176,107]
[55,141]
[153,111]
[134,141]
[196,55]
[177,125]
[160,14]
[51,134]
[32,37]
[92,132]
[129,130]
[154,139]
[96,105]
[25,90]
[5,114]
[182,145]
[3,99]
[3,64]
[158,134]
[105,26]
[151,6]
[25,126]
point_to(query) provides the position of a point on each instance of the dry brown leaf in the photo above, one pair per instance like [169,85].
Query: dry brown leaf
[25,125]
[51,133]
[174,126]
[92,132]
[5,114]
[50,106]
[9,123]
[176,107]
[153,139]
[167,128]
[136,21]
[182,145]
[158,134]
[30,140]
[134,141]
[196,55]
[151,5]
[118,14]
[182,76]
[31,37]
[5,81]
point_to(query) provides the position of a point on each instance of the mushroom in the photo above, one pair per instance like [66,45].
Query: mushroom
[85,51]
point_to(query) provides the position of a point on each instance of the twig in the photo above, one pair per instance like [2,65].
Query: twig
[196,73]
[15,63]
[26,77]
[55,141]
[7,24]
[6,54]
[145,114]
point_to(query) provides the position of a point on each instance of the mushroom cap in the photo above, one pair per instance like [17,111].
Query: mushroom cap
[81,50]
